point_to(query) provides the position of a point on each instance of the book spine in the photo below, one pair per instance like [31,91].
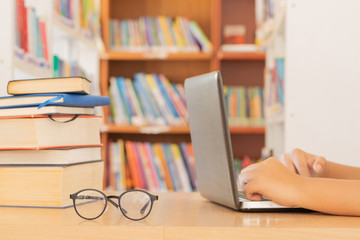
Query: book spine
[145,104]
[166,112]
[125,97]
[149,181]
[159,170]
[180,168]
[138,118]
[175,98]
[152,168]
[120,115]
[167,98]
[143,84]
[133,166]
[189,163]
[172,167]
[159,154]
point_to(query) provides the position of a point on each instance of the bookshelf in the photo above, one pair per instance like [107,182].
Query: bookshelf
[65,42]
[240,68]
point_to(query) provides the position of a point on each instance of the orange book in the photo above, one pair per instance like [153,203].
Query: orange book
[135,176]
[160,155]
[139,165]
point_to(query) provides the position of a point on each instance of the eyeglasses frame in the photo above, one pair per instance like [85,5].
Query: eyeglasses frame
[118,206]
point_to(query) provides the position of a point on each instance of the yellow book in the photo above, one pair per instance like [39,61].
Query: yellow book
[123,170]
[49,85]
[47,186]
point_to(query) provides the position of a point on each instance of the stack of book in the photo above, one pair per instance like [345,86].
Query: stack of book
[50,141]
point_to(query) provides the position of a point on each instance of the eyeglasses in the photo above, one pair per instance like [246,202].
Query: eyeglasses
[134,204]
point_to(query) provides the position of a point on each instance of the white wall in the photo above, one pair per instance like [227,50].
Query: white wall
[322,111]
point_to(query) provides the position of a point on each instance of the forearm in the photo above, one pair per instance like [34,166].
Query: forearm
[339,171]
[334,196]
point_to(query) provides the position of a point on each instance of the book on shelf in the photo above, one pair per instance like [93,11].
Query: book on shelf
[274,81]
[159,156]
[244,105]
[152,166]
[234,34]
[149,99]
[42,132]
[181,168]
[31,37]
[74,84]
[135,168]
[62,156]
[158,34]
[63,68]
[47,186]
[239,48]
[53,99]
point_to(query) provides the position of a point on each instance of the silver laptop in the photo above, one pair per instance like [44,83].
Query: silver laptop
[212,145]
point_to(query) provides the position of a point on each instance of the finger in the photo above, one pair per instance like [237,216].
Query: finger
[242,181]
[256,197]
[319,164]
[251,192]
[286,160]
[300,162]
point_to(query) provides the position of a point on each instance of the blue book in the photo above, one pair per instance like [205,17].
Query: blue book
[165,93]
[172,167]
[53,99]
[124,96]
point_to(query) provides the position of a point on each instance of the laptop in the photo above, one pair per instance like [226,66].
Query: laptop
[212,145]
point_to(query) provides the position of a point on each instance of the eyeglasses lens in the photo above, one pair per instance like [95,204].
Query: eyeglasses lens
[90,204]
[135,204]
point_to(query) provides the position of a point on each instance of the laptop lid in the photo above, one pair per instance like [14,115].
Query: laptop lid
[211,139]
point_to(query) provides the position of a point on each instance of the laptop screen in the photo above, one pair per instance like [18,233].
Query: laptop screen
[211,139]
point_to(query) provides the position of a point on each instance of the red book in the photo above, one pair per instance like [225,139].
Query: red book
[25,30]
[44,40]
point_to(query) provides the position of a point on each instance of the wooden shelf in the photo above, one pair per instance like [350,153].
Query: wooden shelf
[172,130]
[241,55]
[112,55]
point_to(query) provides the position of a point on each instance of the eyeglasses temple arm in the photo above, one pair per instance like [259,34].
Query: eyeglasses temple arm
[153,198]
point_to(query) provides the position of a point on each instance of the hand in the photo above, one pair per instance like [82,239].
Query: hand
[304,164]
[271,179]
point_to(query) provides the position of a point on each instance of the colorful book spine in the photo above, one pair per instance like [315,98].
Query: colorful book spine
[180,167]
[159,154]
[160,33]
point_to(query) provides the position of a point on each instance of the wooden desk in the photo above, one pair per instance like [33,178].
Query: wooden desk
[175,216]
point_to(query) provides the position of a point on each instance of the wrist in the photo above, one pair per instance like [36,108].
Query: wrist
[301,184]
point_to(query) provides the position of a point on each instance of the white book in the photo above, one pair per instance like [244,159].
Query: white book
[47,110]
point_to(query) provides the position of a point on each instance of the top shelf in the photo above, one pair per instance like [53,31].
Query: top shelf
[110,55]
[111,128]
